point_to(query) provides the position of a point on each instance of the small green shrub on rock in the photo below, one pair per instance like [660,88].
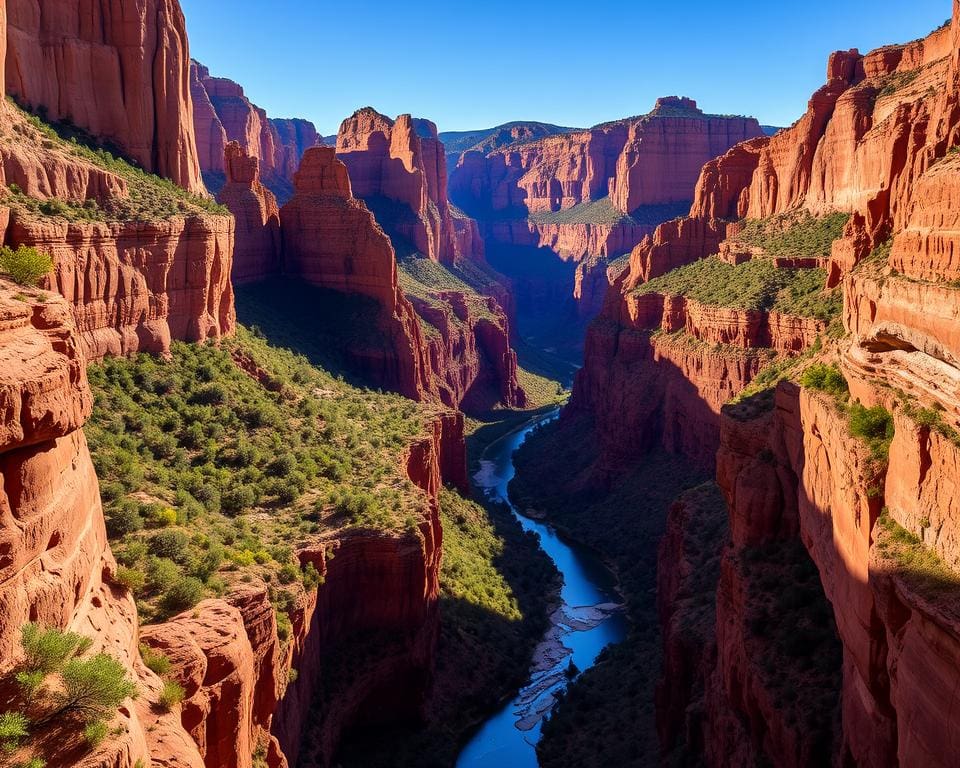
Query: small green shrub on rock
[25,266]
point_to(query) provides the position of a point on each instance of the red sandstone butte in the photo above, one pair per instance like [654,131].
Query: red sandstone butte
[404,162]
[117,68]
[222,114]
[331,240]
[254,207]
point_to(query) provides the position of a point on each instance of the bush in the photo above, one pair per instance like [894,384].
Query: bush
[874,426]
[161,574]
[124,518]
[171,696]
[94,688]
[182,595]
[172,544]
[825,378]
[156,662]
[25,266]
[130,578]
[48,650]
[94,733]
[14,727]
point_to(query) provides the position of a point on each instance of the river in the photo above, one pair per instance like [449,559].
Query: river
[589,618]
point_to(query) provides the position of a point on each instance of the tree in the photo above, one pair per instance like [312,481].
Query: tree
[93,688]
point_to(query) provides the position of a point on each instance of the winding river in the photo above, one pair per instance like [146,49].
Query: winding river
[588,618]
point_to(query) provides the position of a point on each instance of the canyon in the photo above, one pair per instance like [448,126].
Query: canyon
[282,554]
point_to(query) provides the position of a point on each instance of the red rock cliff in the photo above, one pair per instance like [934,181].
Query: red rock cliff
[117,68]
[399,168]
[223,114]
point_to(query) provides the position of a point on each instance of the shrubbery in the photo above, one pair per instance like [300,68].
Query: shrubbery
[25,266]
[86,694]
[205,470]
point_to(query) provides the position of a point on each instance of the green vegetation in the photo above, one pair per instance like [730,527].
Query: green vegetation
[495,583]
[825,378]
[921,568]
[794,235]
[25,266]
[608,716]
[210,474]
[603,211]
[60,694]
[757,284]
[171,696]
[931,418]
[150,197]
[874,425]
[896,81]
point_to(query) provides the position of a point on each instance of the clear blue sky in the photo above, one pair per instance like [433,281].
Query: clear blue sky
[474,65]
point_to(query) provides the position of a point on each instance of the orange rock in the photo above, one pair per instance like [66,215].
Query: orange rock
[96,64]
[254,207]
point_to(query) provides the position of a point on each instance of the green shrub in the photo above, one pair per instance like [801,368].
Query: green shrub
[284,626]
[94,733]
[25,266]
[33,762]
[47,650]
[30,682]
[123,518]
[874,426]
[93,688]
[130,578]
[155,661]
[14,727]
[182,595]
[825,378]
[162,573]
[171,696]
[172,544]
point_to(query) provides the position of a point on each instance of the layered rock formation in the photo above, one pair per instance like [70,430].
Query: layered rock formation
[331,240]
[399,168]
[222,114]
[591,196]
[118,69]
[254,207]
[57,567]
[877,524]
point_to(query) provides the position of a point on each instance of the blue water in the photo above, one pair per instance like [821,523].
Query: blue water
[588,619]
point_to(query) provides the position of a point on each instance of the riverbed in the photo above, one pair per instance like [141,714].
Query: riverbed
[589,617]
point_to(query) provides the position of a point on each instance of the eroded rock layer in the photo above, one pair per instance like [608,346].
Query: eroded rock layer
[222,113]
[118,68]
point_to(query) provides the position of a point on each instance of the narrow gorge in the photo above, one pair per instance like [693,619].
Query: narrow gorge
[358,442]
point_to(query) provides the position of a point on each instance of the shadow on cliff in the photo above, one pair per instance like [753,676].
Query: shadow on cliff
[325,326]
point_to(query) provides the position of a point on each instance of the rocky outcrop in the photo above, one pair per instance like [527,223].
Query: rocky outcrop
[331,239]
[596,193]
[399,168]
[117,68]
[223,114]
[254,207]
[135,286]
[56,567]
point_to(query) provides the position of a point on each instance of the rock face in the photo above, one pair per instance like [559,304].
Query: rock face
[57,568]
[226,653]
[254,207]
[330,239]
[800,487]
[117,68]
[399,168]
[223,114]
[592,193]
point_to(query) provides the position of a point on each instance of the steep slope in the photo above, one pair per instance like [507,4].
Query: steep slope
[488,139]
[834,473]
[222,114]
[96,64]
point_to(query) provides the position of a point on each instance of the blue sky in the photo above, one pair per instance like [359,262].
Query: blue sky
[475,65]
